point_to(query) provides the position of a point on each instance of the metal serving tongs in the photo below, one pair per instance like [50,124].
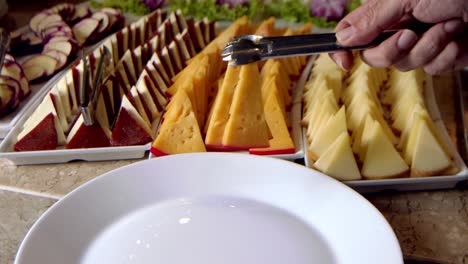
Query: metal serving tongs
[4,44]
[250,48]
[90,89]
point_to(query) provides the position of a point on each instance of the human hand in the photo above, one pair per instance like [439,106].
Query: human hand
[443,47]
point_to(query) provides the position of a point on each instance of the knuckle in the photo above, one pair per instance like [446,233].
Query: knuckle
[454,49]
[404,66]
[369,15]
[375,58]
[433,70]
[432,45]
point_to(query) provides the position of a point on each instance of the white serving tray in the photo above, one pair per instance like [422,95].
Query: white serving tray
[62,155]
[413,184]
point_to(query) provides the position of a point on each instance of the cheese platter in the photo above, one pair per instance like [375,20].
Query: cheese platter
[388,133]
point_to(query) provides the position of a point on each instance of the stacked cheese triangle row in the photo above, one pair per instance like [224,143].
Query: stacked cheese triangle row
[325,122]
[373,139]
[241,109]
[188,109]
[421,145]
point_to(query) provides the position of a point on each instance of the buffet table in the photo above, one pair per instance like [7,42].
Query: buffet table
[428,224]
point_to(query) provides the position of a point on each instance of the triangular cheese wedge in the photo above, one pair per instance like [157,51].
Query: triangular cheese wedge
[179,132]
[222,104]
[136,99]
[362,136]
[338,160]
[429,158]
[281,142]
[328,133]
[41,137]
[382,160]
[130,128]
[267,28]
[83,136]
[47,106]
[102,116]
[247,127]
[63,91]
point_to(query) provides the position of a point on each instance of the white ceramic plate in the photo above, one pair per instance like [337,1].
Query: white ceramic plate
[212,208]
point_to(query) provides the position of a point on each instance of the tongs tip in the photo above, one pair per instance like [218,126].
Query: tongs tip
[242,50]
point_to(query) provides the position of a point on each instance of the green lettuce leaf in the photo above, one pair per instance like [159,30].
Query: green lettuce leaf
[136,7]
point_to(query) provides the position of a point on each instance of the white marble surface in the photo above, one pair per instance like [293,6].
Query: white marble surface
[18,212]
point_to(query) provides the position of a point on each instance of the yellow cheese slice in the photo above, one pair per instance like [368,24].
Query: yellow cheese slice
[382,160]
[179,132]
[267,28]
[281,141]
[327,133]
[338,160]
[247,127]
[222,104]
[429,158]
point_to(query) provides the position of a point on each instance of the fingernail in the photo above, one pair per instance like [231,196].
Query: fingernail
[344,34]
[406,39]
[453,26]
[339,62]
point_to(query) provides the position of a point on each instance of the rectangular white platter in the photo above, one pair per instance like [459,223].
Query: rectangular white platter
[413,184]
[63,155]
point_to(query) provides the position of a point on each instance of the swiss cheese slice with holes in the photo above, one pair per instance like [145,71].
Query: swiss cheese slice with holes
[179,132]
[247,127]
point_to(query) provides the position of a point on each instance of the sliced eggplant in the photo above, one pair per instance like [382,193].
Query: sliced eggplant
[81,12]
[39,67]
[14,70]
[14,89]
[63,46]
[60,57]
[7,98]
[84,29]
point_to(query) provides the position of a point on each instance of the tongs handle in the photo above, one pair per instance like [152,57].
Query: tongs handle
[313,43]
[251,48]
[88,102]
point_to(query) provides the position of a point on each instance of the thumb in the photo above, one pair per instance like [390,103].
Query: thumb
[364,24]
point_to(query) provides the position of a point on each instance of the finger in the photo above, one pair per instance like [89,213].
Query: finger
[430,45]
[435,11]
[364,24]
[445,61]
[391,50]
[344,59]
